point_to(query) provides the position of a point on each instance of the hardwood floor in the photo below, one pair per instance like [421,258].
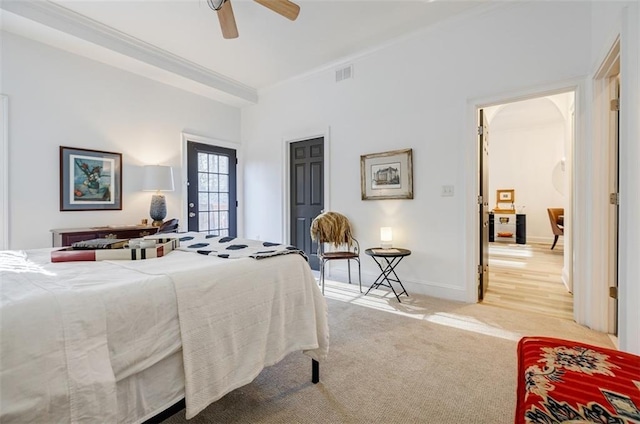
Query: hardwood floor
[528,277]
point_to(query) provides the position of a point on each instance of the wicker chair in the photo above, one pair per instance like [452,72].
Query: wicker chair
[335,240]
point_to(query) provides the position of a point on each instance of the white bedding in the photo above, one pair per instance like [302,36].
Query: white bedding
[71,330]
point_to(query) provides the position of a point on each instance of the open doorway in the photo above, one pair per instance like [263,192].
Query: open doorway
[529,168]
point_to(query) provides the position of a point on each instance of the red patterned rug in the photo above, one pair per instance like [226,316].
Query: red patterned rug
[561,381]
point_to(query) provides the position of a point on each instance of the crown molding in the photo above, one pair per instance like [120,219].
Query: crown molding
[70,22]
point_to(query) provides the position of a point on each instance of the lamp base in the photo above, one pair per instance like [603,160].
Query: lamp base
[158,209]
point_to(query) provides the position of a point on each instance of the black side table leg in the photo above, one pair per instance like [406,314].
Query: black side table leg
[384,276]
[397,280]
[388,270]
[376,284]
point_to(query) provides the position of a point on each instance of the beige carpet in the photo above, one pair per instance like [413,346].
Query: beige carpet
[424,360]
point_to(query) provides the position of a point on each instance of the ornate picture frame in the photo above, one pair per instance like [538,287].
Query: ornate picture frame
[90,180]
[387,175]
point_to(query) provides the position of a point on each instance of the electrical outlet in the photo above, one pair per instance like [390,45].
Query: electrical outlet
[447,191]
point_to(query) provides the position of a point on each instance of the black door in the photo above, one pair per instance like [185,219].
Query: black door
[306,164]
[212,189]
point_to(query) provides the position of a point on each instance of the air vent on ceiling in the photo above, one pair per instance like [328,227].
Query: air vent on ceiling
[344,73]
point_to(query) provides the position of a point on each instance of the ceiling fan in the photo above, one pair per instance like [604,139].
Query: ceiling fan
[286,8]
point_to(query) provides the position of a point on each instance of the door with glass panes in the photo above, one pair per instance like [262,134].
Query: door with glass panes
[212,201]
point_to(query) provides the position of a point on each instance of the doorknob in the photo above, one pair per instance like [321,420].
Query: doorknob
[192,214]
[191,205]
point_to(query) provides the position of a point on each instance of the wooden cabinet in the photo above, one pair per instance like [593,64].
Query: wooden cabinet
[68,236]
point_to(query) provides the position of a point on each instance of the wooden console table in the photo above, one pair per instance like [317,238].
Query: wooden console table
[68,236]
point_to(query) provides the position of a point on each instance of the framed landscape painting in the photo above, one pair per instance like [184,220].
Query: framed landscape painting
[90,180]
[387,175]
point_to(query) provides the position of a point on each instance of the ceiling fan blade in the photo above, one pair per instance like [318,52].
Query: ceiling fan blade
[286,8]
[227,21]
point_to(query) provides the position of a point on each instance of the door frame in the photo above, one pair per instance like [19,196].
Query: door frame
[184,138]
[286,180]
[471,171]
[604,131]
[4,174]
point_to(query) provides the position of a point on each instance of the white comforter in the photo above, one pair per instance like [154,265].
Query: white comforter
[70,331]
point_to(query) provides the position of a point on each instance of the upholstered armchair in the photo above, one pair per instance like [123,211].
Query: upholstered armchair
[556,219]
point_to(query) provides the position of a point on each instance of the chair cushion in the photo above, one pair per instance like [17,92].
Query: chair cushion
[339,255]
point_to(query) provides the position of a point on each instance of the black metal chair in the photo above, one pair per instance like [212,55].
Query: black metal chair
[333,231]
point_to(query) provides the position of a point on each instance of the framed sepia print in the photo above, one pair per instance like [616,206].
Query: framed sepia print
[505,196]
[387,175]
[90,180]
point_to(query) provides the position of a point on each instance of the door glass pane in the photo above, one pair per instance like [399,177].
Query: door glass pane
[224,202]
[213,182]
[224,220]
[224,183]
[203,181]
[224,164]
[213,163]
[203,201]
[203,221]
[202,162]
[213,201]
[213,218]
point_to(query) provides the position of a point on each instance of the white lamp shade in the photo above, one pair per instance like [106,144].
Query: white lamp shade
[157,178]
[386,236]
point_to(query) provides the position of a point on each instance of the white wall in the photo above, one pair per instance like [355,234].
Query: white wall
[57,98]
[413,94]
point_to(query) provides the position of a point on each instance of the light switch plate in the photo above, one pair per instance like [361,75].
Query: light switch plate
[447,191]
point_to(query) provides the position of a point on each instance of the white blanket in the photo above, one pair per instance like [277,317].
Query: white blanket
[69,331]
[239,316]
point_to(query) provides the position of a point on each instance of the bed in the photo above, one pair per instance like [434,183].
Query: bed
[563,381]
[121,341]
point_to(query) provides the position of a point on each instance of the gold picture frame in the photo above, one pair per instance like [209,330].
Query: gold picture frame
[505,198]
[387,175]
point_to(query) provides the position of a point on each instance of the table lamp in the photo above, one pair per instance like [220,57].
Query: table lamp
[386,237]
[158,178]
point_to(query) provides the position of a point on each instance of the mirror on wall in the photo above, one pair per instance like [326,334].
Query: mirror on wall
[557,176]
